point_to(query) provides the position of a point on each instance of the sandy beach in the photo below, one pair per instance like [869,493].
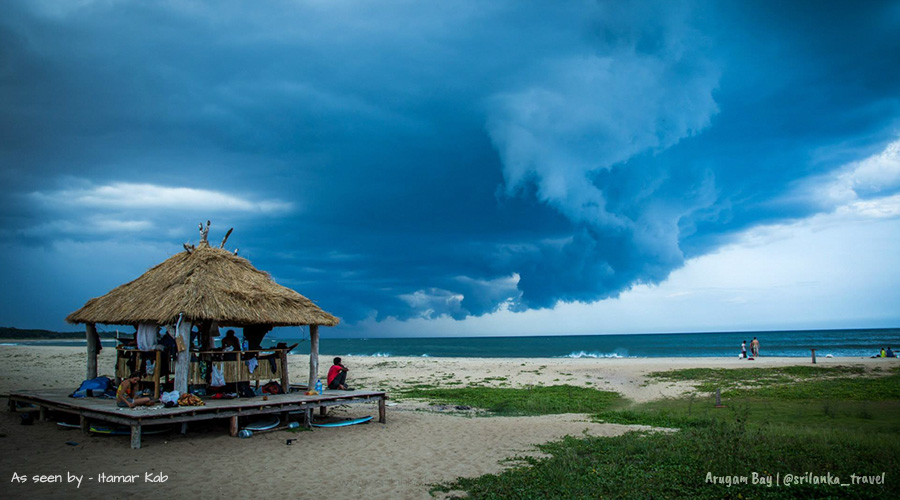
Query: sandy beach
[418,446]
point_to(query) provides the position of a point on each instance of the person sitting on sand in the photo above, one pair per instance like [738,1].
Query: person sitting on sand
[125,393]
[337,376]
[883,354]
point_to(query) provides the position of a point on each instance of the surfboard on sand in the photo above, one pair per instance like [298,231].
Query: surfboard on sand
[263,424]
[344,423]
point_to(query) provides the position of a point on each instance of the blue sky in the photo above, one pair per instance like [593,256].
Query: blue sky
[463,168]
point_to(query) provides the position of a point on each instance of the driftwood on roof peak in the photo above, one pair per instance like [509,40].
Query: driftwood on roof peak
[204,233]
[226,238]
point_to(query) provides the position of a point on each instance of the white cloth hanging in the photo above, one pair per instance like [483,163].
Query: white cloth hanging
[217,378]
[146,336]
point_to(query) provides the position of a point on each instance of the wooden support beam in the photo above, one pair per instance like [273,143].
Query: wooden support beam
[313,356]
[93,344]
[381,413]
[285,378]
[156,369]
[85,426]
[234,426]
[183,358]
[136,437]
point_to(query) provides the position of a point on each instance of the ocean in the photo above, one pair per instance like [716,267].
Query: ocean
[839,343]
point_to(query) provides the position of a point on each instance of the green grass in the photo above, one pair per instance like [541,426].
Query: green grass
[710,379]
[675,465]
[540,400]
[789,421]
[878,388]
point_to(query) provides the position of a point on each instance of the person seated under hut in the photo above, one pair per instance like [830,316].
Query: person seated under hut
[231,340]
[337,376]
[125,393]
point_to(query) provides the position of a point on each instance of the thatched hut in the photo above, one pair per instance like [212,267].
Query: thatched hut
[203,286]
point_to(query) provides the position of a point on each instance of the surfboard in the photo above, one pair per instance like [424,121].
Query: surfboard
[263,424]
[344,422]
[116,431]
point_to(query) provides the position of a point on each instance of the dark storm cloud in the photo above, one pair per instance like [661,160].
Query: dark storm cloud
[418,160]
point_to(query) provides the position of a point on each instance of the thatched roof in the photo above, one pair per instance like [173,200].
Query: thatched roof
[204,283]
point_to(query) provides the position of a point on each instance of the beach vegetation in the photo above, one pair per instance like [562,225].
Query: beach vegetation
[818,423]
[680,464]
[537,400]
[710,379]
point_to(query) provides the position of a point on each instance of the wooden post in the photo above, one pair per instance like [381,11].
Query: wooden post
[382,417]
[85,426]
[183,358]
[309,417]
[156,370]
[136,437]
[92,350]
[234,426]
[813,356]
[313,357]
[285,378]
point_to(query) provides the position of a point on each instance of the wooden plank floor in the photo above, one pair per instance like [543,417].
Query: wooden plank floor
[107,411]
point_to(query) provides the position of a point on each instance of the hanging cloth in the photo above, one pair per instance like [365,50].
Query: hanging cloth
[146,336]
[217,378]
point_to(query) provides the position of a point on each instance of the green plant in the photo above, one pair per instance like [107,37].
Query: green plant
[537,400]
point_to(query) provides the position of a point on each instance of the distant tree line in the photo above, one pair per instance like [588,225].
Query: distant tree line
[26,334]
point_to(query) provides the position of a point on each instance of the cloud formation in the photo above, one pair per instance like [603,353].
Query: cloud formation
[137,197]
[397,160]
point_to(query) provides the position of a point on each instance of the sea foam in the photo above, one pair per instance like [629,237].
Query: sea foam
[583,354]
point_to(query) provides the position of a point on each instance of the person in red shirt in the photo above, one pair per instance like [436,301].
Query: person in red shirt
[337,376]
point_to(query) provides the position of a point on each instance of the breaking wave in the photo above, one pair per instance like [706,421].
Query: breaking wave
[596,355]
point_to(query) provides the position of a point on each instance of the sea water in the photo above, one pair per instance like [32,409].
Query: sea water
[839,343]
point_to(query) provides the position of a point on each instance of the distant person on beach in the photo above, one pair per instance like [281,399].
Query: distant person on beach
[889,353]
[883,354]
[125,393]
[754,348]
[337,376]
[744,349]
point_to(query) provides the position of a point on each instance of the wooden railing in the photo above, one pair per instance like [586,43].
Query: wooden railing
[235,366]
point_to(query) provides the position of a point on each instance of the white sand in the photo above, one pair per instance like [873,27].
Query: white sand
[418,446]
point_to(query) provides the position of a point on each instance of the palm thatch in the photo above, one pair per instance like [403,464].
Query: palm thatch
[205,284]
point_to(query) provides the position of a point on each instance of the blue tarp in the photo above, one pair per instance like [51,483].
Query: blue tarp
[95,387]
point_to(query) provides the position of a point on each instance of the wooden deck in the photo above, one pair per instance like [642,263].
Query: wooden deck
[105,410]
